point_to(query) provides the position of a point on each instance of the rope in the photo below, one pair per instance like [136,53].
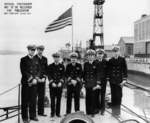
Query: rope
[9,90]
[135,113]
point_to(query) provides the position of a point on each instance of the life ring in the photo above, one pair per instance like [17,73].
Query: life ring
[78,117]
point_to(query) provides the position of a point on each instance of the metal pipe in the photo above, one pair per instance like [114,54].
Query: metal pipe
[19,103]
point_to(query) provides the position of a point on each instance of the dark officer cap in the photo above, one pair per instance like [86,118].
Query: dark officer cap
[115,49]
[31,47]
[56,55]
[41,47]
[73,55]
[90,52]
[100,51]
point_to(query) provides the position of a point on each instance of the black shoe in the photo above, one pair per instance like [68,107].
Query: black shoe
[66,114]
[34,119]
[44,115]
[26,121]
[58,115]
[102,112]
[52,115]
[96,111]
[116,115]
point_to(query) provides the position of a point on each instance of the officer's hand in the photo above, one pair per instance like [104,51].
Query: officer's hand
[123,83]
[53,85]
[59,84]
[78,79]
[34,81]
[39,80]
[97,87]
[74,82]
[43,80]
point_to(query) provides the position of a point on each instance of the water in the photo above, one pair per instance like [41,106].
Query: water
[9,77]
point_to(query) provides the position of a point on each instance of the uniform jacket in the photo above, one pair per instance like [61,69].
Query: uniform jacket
[29,68]
[90,74]
[56,73]
[43,66]
[74,72]
[102,70]
[117,69]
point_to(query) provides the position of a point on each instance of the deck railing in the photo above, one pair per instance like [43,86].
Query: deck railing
[14,111]
[11,111]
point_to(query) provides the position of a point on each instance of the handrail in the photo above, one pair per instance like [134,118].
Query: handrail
[17,108]
[13,108]
[137,86]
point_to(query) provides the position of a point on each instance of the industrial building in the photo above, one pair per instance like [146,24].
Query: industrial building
[126,45]
[142,37]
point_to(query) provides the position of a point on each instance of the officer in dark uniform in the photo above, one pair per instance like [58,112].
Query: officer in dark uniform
[101,79]
[56,74]
[30,71]
[42,79]
[117,77]
[73,75]
[90,80]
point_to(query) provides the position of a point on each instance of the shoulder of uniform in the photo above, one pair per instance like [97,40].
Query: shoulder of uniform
[61,64]
[111,59]
[121,57]
[68,65]
[51,64]
[95,61]
[105,60]
[24,57]
[85,63]
[35,57]
[45,57]
[78,64]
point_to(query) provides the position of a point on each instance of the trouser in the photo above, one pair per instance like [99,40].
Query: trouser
[55,95]
[102,94]
[116,98]
[97,100]
[28,101]
[73,92]
[89,101]
[41,95]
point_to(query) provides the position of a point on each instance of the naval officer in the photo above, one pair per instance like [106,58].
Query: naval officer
[102,76]
[73,75]
[90,82]
[42,79]
[30,70]
[56,75]
[117,69]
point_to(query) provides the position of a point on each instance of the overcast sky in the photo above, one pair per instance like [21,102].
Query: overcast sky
[16,31]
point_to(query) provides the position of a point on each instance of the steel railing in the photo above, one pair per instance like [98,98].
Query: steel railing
[11,111]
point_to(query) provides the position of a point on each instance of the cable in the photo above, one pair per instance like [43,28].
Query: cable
[4,92]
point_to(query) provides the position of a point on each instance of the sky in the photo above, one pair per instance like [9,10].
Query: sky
[17,31]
